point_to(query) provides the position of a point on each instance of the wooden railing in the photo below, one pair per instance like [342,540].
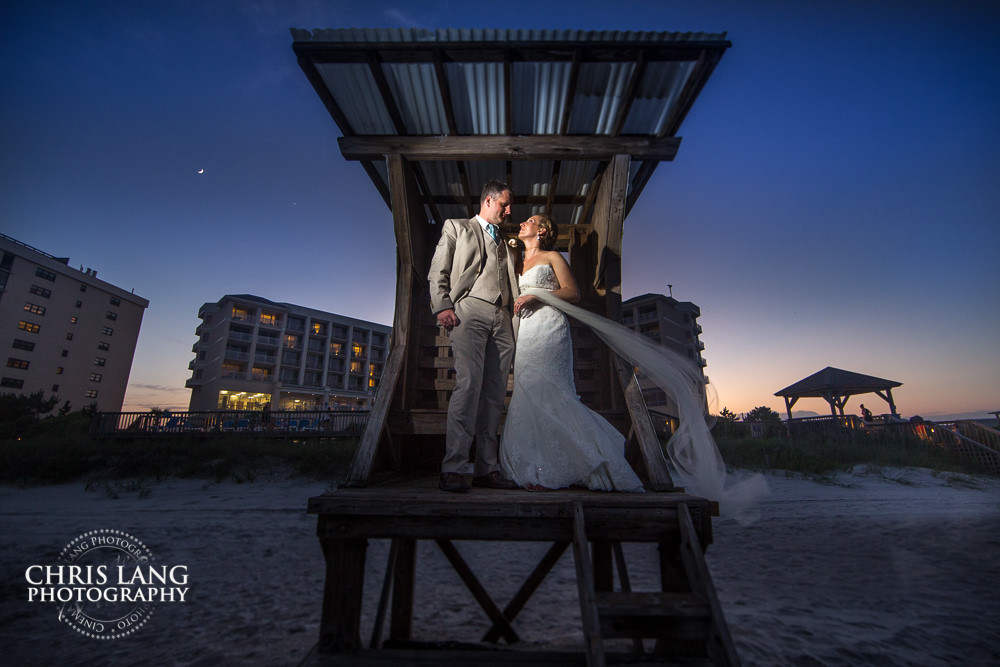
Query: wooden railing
[251,423]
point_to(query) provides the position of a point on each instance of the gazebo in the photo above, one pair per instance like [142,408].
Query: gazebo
[836,386]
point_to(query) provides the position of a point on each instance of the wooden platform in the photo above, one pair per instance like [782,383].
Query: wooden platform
[684,618]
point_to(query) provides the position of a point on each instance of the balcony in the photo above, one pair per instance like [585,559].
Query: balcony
[267,341]
[240,336]
[265,359]
[237,355]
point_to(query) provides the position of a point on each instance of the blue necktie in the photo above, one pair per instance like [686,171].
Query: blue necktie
[492,229]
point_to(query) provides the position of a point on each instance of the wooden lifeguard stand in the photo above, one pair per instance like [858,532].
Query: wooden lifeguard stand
[576,122]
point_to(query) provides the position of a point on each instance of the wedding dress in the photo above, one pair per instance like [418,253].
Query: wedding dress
[550,438]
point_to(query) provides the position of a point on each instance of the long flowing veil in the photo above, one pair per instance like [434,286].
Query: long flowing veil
[691,448]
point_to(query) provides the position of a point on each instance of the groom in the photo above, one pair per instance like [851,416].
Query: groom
[473,283]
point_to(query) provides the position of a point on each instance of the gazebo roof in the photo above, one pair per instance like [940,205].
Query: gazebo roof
[464,106]
[831,381]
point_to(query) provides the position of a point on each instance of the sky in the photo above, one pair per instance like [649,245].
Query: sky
[835,200]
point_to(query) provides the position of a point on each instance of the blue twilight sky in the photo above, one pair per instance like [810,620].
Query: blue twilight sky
[835,201]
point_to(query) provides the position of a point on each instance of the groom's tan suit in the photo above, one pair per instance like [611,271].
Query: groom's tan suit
[475,276]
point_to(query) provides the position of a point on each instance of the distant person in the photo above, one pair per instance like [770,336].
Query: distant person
[866,414]
[265,416]
[473,284]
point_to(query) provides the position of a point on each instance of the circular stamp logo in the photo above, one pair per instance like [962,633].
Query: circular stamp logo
[106,584]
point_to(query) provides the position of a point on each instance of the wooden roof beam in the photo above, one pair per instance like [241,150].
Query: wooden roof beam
[496,147]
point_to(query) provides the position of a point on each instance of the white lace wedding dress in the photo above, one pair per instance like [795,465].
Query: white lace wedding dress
[550,438]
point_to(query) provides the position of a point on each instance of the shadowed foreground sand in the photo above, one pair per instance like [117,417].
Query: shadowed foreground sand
[897,567]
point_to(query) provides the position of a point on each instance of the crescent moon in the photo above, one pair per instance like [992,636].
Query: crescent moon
[201,171]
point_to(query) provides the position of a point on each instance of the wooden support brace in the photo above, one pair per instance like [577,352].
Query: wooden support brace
[477,590]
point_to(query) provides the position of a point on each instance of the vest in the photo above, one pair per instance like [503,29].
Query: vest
[492,283]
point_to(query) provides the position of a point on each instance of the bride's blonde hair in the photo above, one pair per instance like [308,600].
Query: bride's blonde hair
[547,240]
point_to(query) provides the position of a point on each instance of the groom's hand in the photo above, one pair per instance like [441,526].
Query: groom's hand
[448,319]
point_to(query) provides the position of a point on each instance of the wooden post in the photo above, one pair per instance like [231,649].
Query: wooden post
[404,578]
[340,625]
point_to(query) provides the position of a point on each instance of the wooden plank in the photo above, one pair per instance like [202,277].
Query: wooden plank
[478,592]
[720,645]
[501,147]
[529,586]
[593,644]
[383,600]
[364,455]
[404,580]
[645,434]
[340,622]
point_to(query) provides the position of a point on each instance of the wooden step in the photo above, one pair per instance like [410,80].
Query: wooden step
[669,616]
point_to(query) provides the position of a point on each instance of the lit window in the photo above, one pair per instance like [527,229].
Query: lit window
[21,364]
[74,319]
[359,350]
[59,370]
[30,327]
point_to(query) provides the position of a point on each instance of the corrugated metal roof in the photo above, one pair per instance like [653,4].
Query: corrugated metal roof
[499,82]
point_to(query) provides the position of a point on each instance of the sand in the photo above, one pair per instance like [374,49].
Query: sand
[889,567]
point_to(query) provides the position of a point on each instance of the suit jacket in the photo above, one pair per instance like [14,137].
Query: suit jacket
[458,260]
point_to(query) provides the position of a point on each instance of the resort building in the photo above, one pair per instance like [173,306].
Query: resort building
[66,333]
[673,324]
[252,352]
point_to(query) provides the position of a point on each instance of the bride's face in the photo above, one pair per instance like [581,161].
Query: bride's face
[528,229]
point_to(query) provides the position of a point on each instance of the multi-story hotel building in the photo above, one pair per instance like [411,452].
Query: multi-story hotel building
[253,352]
[66,333]
[673,324]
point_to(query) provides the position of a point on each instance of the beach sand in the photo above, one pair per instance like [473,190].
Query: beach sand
[887,567]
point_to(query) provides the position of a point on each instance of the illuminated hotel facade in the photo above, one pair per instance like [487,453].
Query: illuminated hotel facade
[252,352]
[66,333]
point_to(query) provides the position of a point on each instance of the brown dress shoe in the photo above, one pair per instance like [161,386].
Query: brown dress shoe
[493,480]
[452,481]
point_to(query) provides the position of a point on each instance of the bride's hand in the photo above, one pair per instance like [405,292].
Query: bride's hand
[524,301]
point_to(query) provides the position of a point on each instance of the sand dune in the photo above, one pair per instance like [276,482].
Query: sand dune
[896,567]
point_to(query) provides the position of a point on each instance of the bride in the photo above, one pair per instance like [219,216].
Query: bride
[551,440]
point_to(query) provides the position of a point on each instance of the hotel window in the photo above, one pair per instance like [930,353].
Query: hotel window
[107,331]
[357,366]
[91,393]
[30,327]
[65,353]
[55,388]
[45,275]
[74,319]
[115,301]
[21,364]
[291,341]
[106,346]
[34,308]
[100,361]
[111,315]
[13,383]
[83,288]
[336,349]
[41,291]
[79,304]
[95,377]
[359,350]
[59,370]
[23,344]
[269,319]
[69,336]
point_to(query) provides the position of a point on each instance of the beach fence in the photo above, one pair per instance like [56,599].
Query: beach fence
[967,439]
[245,423]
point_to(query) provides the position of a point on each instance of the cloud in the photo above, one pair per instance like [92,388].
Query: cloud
[156,387]
[397,15]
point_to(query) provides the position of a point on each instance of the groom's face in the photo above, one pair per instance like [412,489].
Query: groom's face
[496,209]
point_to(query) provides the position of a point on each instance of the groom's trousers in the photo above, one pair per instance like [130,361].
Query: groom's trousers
[483,346]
